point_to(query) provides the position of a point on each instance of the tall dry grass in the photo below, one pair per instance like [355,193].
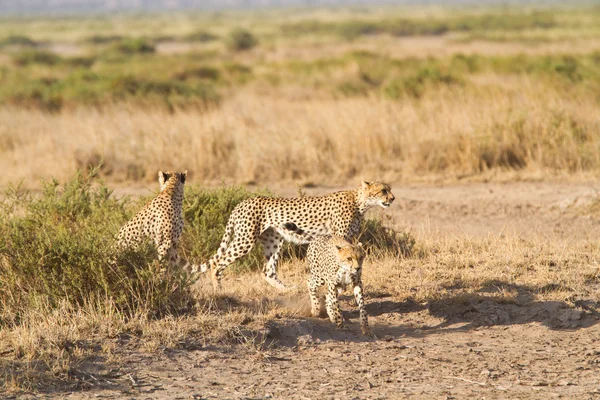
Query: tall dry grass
[499,123]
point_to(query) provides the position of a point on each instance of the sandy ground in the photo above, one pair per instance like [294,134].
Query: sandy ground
[489,350]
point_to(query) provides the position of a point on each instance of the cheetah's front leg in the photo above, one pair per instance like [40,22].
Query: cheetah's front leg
[315,302]
[364,322]
[164,248]
[333,307]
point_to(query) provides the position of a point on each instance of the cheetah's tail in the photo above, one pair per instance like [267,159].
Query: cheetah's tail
[297,234]
[203,268]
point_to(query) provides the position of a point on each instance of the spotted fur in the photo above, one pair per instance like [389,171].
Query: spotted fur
[271,221]
[335,263]
[161,219]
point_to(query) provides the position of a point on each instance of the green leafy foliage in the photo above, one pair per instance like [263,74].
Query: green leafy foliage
[206,213]
[240,40]
[60,246]
[18,40]
[132,46]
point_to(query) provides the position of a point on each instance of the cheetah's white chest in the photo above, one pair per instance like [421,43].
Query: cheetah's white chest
[344,277]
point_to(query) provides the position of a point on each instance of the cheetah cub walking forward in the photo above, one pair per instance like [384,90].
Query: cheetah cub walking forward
[335,263]
[160,220]
[275,220]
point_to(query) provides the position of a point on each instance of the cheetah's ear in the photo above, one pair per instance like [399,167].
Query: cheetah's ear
[359,244]
[162,178]
[365,184]
[183,176]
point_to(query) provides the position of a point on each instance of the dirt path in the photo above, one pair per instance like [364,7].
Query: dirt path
[491,350]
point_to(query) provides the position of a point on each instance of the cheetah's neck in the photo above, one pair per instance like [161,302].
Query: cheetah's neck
[360,201]
[173,190]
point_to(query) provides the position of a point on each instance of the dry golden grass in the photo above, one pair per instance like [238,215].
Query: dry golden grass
[443,271]
[281,135]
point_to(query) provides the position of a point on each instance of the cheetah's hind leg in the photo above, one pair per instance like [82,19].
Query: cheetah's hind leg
[272,241]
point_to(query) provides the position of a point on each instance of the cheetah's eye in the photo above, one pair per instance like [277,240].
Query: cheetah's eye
[349,259]
[384,192]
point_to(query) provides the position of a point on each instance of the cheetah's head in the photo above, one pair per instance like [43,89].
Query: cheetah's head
[178,178]
[376,194]
[349,256]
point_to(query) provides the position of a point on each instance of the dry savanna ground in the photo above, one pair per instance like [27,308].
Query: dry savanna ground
[497,299]
[481,279]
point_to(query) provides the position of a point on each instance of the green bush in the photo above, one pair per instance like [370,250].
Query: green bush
[201,36]
[41,93]
[206,213]
[504,22]
[133,46]
[36,57]
[204,72]
[18,40]
[59,246]
[414,28]
[380,240]
[170,92]
[416,84]
[240,40]
[102,39]
[352,29]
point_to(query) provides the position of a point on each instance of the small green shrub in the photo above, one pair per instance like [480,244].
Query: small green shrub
[85,62]
[133,46]
[43,94]
[504,22]
[306,27]
[380,240]
[171,93]
[36,57]
[206,213]
[201,36]
[204,72]
[406,27]
[18,40]
[350,30]
[241,40]
[59,246]
[102,39]
[415,85]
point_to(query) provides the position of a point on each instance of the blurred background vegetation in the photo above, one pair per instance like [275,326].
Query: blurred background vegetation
[442,92]
[198,59]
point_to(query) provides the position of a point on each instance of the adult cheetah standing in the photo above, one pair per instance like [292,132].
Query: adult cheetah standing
[161,219]
[298,220]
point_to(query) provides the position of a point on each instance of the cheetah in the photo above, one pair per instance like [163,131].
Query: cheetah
[298,220]
[161,219]
[335,263]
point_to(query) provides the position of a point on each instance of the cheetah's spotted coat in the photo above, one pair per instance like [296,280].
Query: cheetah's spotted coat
[299,220]
[335,263]
[160,220]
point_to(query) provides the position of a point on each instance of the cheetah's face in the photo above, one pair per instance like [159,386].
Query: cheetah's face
[350,257]
[377,194]
[164,177]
